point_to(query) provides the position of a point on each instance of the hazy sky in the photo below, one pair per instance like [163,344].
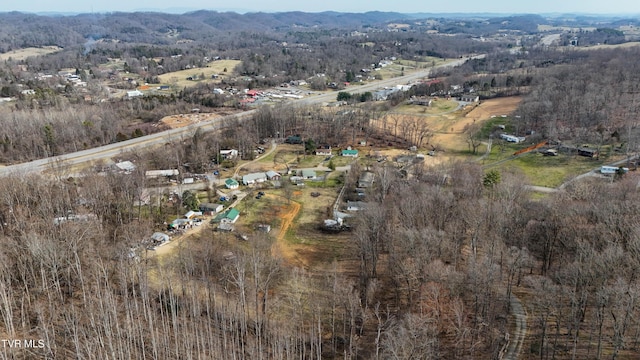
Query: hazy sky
[404,6]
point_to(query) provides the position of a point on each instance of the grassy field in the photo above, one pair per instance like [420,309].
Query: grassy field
[400,67]
[178,79]
[22,54]
[437,107]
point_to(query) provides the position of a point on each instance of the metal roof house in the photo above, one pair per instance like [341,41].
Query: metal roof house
[229,216]
[366,179]
[349,153]
[254,178]
[231,184]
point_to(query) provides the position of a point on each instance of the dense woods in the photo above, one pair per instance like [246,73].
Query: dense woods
[433,281]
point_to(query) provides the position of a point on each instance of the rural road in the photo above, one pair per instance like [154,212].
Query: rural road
[517,339]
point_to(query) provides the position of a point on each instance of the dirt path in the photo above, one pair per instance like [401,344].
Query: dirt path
[516,341]
[281,247]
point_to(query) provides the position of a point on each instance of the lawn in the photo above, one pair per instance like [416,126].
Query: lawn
[437,107]
[549,171]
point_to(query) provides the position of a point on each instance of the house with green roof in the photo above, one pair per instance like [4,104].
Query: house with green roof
[231,184]
[349,153]
[230,216]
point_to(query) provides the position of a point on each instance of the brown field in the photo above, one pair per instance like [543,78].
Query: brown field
[182,120]
[22,54]
[300,242]
[448,128]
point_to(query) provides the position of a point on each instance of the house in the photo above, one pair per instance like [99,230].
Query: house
[254,178]
[309,174]
[231,184]
[191,214]
[181,223]
[74,218]
[366,179]
[511,138]
[229,154]
[263,228]
[349,153]
[134,93]
[421,100]
[272,175]
[293,139]
[592,153]
[210,208]
[469,98]
[229,216]
[160,173]
[356,205]
[160,237]
[226,226]
[323,150]
[126,166]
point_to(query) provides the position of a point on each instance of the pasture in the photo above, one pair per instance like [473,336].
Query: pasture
[178,79]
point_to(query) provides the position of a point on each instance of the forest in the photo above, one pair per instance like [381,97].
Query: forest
[432,268]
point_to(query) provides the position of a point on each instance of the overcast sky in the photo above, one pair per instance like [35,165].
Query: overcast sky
[403,6]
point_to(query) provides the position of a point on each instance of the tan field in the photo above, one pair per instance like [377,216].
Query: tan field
[179,78]
[22,54]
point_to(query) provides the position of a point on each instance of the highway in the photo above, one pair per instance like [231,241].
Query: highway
[106,152]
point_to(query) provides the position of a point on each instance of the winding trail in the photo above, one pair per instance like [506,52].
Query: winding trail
[516,341]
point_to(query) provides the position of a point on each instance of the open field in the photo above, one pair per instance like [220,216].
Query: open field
[182,120]
[447,122]
[179,78]
[300,241]
[22,54]
[401,67]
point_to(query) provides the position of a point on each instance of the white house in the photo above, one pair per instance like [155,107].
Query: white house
[159,173]
[324,150]
[126,166]
[254,178]
[229,154]
[134,93]
[356,205]
[511,138]
[190,214]
[231,184]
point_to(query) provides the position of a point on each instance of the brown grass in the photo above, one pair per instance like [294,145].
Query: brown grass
[22,54]
[182,120]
